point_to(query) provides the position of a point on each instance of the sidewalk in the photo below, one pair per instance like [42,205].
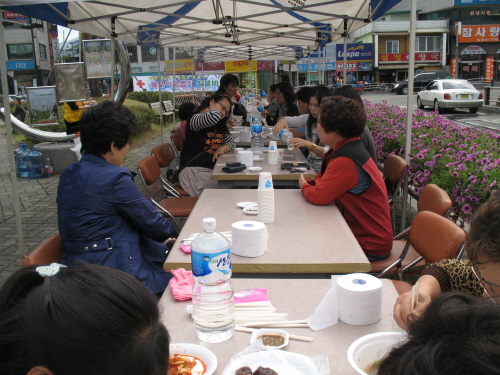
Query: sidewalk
[38,204]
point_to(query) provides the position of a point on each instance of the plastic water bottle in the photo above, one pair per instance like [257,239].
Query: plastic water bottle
[213,293]
[22,168]
[257,142]
[285,136]
[48,169]
[34,163]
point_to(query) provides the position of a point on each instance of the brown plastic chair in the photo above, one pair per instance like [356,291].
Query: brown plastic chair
[164,155]
[177,141]
[49,251]
[433,199]
[431,238]
[173,208]
[394,171]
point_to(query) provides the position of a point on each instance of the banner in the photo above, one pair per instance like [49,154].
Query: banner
[183,83]
[405,57]
[42,105]
[453,67]
[209,66]
[316,67]
[355,52]
[265,65]
[181,66]
[351,67]
[97,57]
[479,33]
[241,66]
[488,69]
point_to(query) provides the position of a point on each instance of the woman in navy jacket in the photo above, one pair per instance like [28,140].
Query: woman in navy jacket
[103,217]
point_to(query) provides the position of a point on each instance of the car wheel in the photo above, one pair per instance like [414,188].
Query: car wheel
[473,110]
[419,103]
[436,106]
[404,90]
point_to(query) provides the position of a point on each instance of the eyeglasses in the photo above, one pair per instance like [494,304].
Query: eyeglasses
[224,108]
[485,284]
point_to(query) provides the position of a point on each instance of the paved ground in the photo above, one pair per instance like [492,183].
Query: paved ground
[38,205]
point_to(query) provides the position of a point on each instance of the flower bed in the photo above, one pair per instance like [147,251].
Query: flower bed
[463,161]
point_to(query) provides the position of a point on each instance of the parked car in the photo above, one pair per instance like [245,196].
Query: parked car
[450,93]
[420,80]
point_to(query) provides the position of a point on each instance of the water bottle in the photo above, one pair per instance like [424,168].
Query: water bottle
[285,136]
[35,165]
[257,142]
[21,161]
[48,169]
[213,293]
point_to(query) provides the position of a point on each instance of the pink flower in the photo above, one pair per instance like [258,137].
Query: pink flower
[466,209]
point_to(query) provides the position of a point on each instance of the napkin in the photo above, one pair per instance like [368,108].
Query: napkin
[327,312]
[185,248]
[181,284]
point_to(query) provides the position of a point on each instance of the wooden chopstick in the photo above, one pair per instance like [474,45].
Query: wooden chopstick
[292,337]
[414,296]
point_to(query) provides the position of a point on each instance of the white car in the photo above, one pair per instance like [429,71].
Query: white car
[450,93]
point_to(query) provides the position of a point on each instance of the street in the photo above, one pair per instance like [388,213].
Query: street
[482,119]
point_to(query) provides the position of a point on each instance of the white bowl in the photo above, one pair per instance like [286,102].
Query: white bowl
[254,169]
[371,348]
[269,331]
[197,351]
[251,210]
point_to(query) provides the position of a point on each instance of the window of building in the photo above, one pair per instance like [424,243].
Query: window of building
[38,23]
[20,51]
[43,51]
[132,53]
[428,44]
[392,46]
[147,56]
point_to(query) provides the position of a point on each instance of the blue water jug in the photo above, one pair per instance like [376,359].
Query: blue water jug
[35,164]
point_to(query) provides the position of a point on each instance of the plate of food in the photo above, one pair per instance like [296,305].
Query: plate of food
[191,359]
[251,210]
[246,204]
[271,362]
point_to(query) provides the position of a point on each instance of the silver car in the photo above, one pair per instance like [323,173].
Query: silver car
[450,93]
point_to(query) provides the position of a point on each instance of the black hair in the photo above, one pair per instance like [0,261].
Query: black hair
[287,90]
[226,80]
[273,87]
[186,110]
[18,99]
[105,123]
[319,92]
[85,320]
[343,116]
[348,92]
[303,94]
[457,335]
[222,124]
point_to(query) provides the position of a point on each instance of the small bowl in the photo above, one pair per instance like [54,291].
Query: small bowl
[251,210]
[269,331]
[258,158]
[254,169]
[198,351]
[371,348]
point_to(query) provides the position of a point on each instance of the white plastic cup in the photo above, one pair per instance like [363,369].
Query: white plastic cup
[265,181]
[273,145]
[238,149]
[290,147]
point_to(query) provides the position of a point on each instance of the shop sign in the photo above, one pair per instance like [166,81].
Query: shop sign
[21,65]
[453,67]
[316,67]
[479,33]
[209,66]
[488,69]
[355,52]
[473,50]
[12,15]
[241,66]
[265,65]
[351,67]
[404,57]
[182,66]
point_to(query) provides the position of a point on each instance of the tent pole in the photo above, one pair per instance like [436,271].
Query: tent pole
[344,81]
[409,105]
[10,150]
[173,89]
[159,85]
[112,88]
[192,71]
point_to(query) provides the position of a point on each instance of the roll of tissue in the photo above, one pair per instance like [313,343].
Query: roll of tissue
[245,157]
[359,298]
[249,238]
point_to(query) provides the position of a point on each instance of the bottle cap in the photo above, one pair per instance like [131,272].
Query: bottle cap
[209,223]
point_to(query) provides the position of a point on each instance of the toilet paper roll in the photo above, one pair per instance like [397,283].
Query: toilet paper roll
[249,238]
[359,298]
[245,157]
[245,135]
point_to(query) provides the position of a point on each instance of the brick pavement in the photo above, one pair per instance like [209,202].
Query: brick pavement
[38,204]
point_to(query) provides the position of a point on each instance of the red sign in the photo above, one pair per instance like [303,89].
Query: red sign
[405,57]
[265,65]
[209,66]
[479,33]
[488,69]
[11,15]
[453,67]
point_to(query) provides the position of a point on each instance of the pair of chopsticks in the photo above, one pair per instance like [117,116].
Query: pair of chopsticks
[276,324]
[292,337]
[414,296]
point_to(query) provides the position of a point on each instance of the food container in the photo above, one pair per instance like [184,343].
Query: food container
[271,336]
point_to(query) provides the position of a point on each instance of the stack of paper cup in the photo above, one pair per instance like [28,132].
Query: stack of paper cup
[249,238]
[272,157]
[245,157]
[273,146]
[360,298]
[245,135]
[265,198]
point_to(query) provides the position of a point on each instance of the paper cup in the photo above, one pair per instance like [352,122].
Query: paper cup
[272,157]
[265,181]
[281,152]
[238,149]
[273,146]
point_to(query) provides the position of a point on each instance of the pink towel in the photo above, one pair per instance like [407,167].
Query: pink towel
[185,248]
[181,284]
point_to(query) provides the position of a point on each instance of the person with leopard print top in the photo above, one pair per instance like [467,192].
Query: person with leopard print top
[479,275]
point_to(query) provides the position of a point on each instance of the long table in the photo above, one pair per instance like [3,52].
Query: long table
[298,298]
[306,239]
[249,179]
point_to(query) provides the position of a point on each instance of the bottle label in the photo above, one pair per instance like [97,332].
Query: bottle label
[204,264]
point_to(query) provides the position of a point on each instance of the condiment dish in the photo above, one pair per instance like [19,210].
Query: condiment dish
[271,336]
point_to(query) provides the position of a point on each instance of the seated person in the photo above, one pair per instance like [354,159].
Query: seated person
[458,334]
[228,85]
[81,320]
[185,111]
[479,275]
[207,137]
[285,97]
[103,217]
[19,111]
[272,107]
[349,177]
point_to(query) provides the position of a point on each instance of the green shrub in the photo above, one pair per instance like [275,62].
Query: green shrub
[145,117]
[149,96]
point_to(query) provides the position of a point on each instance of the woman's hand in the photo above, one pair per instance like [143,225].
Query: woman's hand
[264,113]
[221,151]
[299,142]
[302,180]
[280,125]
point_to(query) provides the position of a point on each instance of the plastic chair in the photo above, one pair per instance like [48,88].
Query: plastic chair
[164,155]
[49,251]
[173,208]
[177,141]
[394,171]
[431,238]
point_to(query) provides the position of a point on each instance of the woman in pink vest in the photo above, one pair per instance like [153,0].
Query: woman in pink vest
[349,177]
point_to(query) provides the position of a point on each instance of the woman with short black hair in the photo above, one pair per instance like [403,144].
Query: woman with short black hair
[285,97]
